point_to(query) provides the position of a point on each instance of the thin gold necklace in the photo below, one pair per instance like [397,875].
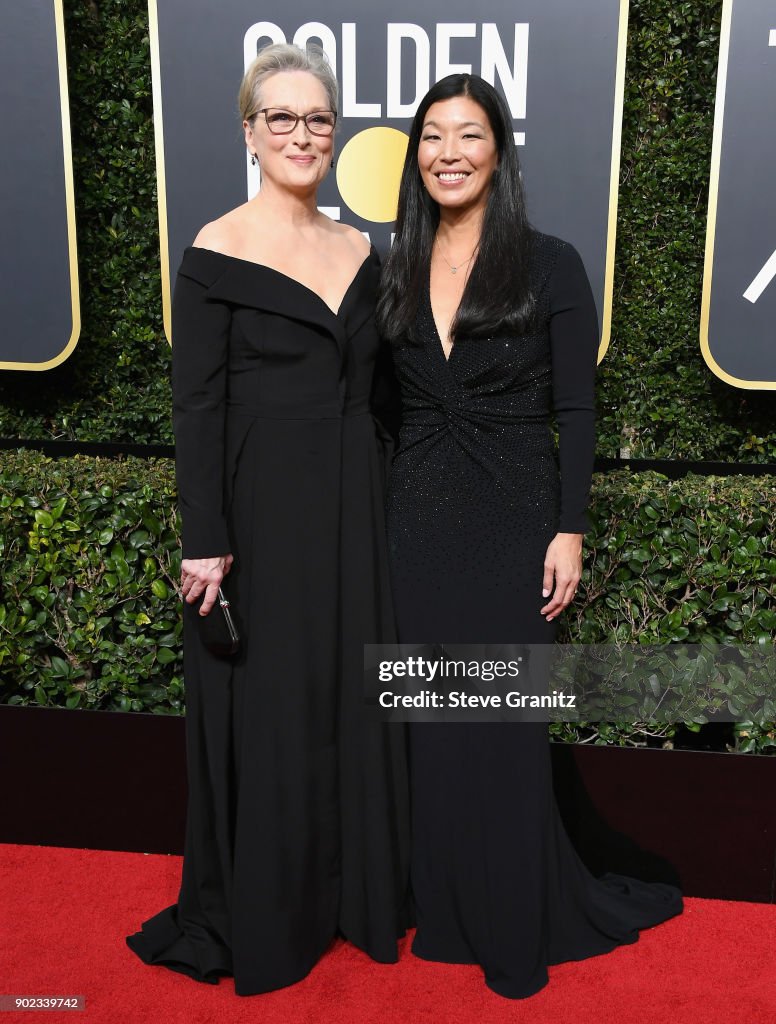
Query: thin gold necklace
[454,269]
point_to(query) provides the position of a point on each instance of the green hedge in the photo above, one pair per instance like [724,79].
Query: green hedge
[657,398]
[89,559]
[678,562]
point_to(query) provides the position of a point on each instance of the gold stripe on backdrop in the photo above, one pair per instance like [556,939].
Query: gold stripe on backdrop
[161,180]
[614,180]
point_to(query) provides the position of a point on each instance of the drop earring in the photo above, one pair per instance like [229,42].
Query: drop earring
[254,161]
[332,161]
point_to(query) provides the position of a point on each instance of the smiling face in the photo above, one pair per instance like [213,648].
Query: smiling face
[300,160]
[457,153]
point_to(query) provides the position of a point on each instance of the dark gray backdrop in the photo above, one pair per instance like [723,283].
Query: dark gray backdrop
[39,320]
[738,334]
[569,124]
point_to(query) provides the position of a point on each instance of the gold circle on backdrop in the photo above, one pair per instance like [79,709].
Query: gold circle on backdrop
[369,170]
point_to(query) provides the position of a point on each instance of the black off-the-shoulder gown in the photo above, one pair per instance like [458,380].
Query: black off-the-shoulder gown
[475,497]
[298,819]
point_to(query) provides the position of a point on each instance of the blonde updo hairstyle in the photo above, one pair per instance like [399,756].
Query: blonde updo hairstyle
[284,57]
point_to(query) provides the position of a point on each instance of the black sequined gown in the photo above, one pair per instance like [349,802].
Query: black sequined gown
[475,497]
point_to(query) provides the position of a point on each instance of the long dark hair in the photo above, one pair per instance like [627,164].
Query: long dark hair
[497,295]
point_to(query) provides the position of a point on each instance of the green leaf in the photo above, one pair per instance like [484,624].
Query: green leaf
[60,667]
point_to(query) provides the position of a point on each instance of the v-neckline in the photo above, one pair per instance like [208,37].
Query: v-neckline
[441,348]
[294,280]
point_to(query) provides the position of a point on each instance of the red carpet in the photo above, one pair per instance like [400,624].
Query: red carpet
[65,914]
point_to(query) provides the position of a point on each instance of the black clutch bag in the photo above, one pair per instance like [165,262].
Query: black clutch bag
[218,629]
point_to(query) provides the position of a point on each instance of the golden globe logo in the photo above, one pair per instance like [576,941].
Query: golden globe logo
[369,171]
[369,165]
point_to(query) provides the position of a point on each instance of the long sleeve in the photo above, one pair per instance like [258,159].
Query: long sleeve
[574,347]
[199,360]
[386,392]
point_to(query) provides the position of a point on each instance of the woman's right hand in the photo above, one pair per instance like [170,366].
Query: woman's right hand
[203,575]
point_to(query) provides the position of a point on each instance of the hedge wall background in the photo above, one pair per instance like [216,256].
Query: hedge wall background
[657,398]
[89,559]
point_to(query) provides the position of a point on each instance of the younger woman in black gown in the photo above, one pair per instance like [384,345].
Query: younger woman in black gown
[495,328]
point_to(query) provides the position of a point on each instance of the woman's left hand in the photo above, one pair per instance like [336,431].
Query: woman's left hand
[562,572]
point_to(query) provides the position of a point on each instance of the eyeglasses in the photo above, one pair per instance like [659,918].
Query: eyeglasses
[283,122]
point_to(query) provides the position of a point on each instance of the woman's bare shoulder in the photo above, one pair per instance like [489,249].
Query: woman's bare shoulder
[225,234]
[353,237]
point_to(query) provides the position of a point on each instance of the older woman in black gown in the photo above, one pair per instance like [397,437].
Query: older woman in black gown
[494,328]
[297,821]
